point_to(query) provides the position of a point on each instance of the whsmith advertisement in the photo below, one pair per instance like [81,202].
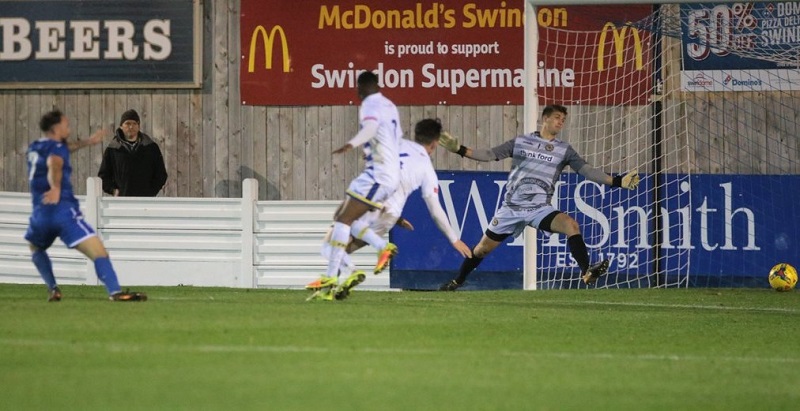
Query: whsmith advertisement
[725,230]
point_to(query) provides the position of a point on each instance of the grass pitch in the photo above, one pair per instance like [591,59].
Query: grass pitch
[202,348]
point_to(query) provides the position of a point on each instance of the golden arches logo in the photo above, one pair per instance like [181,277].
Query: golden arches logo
[619,45]
[268,39]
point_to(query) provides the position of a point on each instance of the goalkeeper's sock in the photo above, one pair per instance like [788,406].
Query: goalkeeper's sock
[45,267]
[361,231]
[105,272]
[578,250]
[467,267]
[339,238]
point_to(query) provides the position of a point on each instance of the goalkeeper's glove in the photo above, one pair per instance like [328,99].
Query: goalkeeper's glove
[629,181]
[450,143]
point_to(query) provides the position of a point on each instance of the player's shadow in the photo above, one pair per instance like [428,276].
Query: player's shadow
[266,189]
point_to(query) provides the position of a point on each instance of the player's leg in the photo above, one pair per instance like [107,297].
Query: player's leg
[324,287]
[334,250]
[346,267]
[39,240]
[371,229]
[43,265]
[355,278]
[367,220]
[488,243]
[340,235]
[361,229]
[323,281]
[78,234]
[94,249]
[367,195]
[355,245]
[505,223]
[558,222]
[363,194]
[45,268]
[379,223]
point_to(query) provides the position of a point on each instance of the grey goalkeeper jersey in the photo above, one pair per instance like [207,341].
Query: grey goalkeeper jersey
[536,166]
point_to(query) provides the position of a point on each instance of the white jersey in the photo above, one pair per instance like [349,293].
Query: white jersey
[382,153]
[416,171]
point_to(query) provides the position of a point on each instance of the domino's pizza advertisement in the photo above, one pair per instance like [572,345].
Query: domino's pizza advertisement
[740,46]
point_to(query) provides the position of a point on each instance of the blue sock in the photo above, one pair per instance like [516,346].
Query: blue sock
[105,272]
[45,267]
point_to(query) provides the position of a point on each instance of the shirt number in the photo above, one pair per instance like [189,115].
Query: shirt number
[33,158]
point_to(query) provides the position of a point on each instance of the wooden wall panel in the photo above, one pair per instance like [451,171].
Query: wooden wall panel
[324,149]
[272,158]
[211,142]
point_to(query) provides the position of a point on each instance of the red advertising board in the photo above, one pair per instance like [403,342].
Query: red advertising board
[442,52]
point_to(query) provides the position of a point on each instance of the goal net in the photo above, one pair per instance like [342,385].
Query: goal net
[699,98]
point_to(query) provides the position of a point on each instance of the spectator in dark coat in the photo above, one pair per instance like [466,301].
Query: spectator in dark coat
[132,164]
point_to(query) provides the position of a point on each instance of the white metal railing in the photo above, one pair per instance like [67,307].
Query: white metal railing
[191,241]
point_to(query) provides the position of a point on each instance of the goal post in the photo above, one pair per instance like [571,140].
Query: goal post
[716,146]
[531,113]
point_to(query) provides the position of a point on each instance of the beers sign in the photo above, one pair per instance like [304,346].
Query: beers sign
[470,53]
[99,44]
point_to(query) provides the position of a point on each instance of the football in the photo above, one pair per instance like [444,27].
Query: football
[782,277]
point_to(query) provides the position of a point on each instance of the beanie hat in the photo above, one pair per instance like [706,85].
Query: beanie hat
[129,115]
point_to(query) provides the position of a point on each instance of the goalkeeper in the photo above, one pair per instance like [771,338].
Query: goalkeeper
[537,162]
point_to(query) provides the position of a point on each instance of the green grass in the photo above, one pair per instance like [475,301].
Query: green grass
[200,348]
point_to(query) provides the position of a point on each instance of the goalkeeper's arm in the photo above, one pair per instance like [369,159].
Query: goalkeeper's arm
[629,180]
[451,144]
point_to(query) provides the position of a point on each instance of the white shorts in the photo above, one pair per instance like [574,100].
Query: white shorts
[379,221]
[511,222]
[364,188]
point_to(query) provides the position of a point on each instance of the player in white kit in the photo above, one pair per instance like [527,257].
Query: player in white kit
[380,136]
[416,172]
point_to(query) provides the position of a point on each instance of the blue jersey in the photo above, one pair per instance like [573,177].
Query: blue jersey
[38,152]
[62,220]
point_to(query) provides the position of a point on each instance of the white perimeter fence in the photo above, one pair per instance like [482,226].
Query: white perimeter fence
[217,242]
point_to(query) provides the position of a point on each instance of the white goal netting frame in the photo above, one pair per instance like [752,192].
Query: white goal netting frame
[650,235]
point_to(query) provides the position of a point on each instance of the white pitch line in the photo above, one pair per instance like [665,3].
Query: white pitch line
[535,300]
[117,347]
[697,306]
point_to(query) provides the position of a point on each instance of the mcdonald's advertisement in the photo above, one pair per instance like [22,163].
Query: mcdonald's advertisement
[740,46]
[442,52]
[100,44]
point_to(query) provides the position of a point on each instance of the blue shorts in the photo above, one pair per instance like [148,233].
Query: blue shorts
[65,222]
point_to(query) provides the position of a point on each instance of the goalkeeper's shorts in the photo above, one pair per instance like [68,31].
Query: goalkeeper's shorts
[508,222]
